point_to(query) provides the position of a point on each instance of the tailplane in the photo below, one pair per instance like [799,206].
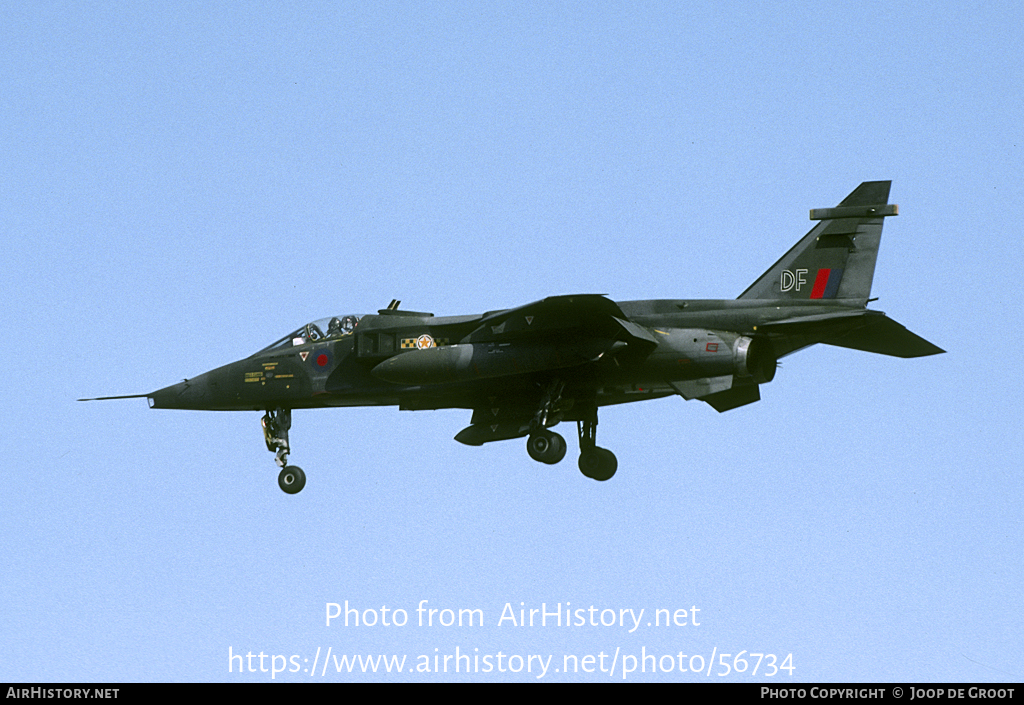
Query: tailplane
[836,259]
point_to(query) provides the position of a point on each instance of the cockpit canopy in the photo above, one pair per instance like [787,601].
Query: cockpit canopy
[330,328]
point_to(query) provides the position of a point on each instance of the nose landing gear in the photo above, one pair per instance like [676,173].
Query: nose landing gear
[276,423]
[291,479]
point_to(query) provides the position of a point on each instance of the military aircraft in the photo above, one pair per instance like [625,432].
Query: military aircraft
[524,370]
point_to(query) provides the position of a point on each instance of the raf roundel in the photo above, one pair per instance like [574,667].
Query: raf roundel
[321,359]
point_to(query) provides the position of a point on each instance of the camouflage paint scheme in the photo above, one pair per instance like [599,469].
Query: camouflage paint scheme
[523,370]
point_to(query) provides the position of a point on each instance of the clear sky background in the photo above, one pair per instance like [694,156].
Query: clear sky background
[181,186]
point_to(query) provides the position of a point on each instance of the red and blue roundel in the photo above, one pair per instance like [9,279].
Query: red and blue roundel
[320,359]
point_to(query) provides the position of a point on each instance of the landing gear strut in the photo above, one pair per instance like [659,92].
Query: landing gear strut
[546,446]
[595,463]
[276,423]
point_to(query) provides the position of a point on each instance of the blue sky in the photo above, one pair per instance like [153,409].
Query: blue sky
[180,186]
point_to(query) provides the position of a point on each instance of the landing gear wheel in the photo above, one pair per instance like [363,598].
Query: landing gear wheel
[292,479]
[598,463]
[546,447]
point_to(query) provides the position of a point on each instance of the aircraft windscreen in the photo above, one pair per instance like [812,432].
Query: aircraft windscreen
[323,329]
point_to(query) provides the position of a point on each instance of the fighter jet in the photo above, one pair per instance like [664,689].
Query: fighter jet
[521,371]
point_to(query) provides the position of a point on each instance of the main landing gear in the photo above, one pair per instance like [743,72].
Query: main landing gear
[548,447]
[275,432]
[596,463]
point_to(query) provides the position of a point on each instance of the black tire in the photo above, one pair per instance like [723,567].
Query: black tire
[589,462]
[558,449]
[598,464]
[291,479]
[546,447]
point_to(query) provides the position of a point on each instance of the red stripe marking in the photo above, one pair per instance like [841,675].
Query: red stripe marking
[820,282]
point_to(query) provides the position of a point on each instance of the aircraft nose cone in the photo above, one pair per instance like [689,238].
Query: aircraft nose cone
[190,394]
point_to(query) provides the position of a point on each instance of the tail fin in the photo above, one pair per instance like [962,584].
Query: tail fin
[836,259]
